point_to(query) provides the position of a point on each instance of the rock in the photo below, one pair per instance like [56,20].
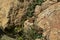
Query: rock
[18,12]
[11,12]
[44,6]
[5,6]
[47,4]
[54,34]
[52,0]
[44,17]
[28,24]
[37,10]
[48,19]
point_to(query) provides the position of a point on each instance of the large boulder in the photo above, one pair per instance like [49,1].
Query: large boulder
[48,19]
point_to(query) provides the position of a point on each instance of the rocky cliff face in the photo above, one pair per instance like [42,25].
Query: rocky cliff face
[48,19]
[43,18]
[4,9]
[11,11]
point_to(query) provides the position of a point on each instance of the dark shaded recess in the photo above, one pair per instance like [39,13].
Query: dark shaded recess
[20,33]
[58,0]
[0,9]
[21,1]
[10,32]
[5,33]
[1,33]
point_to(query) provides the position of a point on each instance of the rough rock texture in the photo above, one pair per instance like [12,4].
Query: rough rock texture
[28,24]
[46,16]
[48,19]
[11,11]
[47,4]
[4,9]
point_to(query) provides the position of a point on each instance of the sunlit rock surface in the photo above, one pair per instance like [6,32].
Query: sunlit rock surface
[46,16]
[5,6]
[48,19]
[11,12]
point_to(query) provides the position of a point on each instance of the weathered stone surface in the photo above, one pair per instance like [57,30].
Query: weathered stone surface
[28,24]
[48,19]
[54,34]
[37,10]
[52,0]
[11,12]
[47,4]
[44,6]
[45,15]
[5,6]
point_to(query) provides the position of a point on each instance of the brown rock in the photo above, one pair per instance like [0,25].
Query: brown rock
[27,25]
[37,10]
[11,12]
[52,0]
[48,19]
[5,6]
[54,34]
[47,4]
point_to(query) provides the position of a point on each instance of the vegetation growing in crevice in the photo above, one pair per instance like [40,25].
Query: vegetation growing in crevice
[31,7]
[31,34]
